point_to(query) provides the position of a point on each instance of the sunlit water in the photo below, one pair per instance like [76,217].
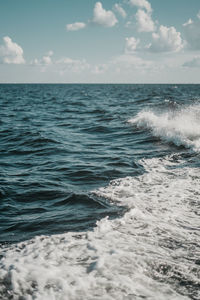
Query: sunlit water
[100,192]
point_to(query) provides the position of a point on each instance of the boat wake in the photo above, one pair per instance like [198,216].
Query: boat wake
[151,252]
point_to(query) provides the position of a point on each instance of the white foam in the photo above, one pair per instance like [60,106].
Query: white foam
[181,127]
[121,258]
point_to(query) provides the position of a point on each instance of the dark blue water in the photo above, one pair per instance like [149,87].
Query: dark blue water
[62,143]
[58,142]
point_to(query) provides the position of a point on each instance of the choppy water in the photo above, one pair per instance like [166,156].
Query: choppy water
[99,190]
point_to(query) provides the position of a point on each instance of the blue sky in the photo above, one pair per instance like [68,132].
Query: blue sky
[125,41]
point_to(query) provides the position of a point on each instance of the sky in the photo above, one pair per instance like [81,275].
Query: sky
[108,41]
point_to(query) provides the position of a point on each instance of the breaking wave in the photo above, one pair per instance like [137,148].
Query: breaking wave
[151,252]
[180,126]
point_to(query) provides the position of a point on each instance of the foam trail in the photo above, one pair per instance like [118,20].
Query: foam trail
[181,127]
[149,253]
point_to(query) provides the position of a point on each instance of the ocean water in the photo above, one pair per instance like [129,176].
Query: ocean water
[99,192]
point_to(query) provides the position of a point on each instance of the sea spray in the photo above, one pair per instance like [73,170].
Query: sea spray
[179,126]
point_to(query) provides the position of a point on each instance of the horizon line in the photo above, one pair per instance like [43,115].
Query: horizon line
[102,83]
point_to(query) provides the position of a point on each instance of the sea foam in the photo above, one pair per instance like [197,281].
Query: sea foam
[179,126]
[146,253]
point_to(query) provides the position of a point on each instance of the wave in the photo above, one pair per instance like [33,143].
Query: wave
[180,126]
[151,252]
[51,211]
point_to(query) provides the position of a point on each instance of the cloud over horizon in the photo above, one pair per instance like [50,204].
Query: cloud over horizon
[72,65]
[194,63]
[44,61]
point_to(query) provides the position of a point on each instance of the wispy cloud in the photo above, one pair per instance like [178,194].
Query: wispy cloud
[120,10]
[191,30]
[44,61]
[189,22]
[73,65]
[194,63]
[127,62]
[75,26]
[99,69]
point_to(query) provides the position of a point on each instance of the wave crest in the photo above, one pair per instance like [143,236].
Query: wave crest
[181,126]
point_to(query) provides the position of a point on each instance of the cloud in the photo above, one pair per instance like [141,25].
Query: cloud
[72,65]
[99,69]
[126,65]
[120,10]
[61,66]
[194,63]
[44,61]
[10,52]
[131,45]
[166,40]
[191,31]
[75,26]
[144,21]
[129,63]
[142,4]
[103,17]
[188,22]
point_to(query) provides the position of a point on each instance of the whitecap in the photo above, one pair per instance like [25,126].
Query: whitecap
[145,254]
[179,126]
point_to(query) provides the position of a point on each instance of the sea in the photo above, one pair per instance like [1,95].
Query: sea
[99,192]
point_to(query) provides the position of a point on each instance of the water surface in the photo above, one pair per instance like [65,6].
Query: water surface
[99,189]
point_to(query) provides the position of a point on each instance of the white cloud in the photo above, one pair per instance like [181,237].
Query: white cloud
[188,22]
[44,61]
[166,40]
[50,53]
[126,67]
[120,10]
[103,17]
[198,15]
[194,63]
[144,21]
[131,44]
[142,4]
[75,26]
[191,32]
[99,69]
[130,63]
[72,65]
[124,64]
[10,52]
